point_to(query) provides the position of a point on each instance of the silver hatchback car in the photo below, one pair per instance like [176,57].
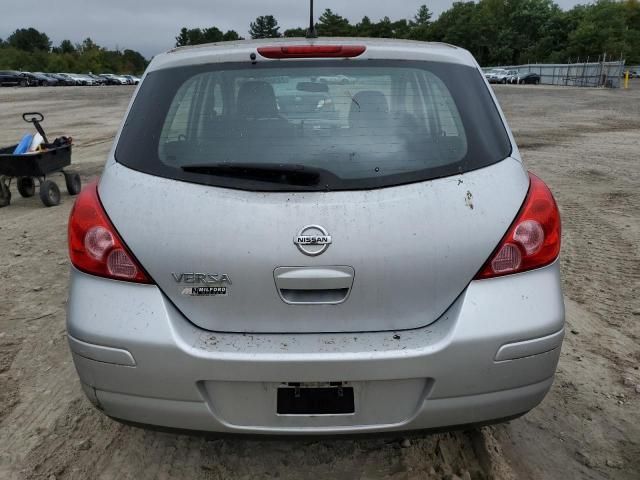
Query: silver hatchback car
[270,253]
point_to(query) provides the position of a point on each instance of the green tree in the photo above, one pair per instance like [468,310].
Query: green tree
[334,25]
[134,61]
[295,32]
[83,58]
[231,35]
[66,47]
[183,37]
[419,26]
[602,29]
[385,28]
[87,45]
[456,26]
[265,26]
[212,35]
[29,40]
[198,36]
[423,17]
[364,28]
[553,38]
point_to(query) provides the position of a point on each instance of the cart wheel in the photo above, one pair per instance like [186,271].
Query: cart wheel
[5,195]
[26,186]
[49,193]
[74,185]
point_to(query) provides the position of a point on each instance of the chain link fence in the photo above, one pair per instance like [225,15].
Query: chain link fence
[580,74]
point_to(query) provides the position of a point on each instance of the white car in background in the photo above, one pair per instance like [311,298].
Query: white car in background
[336,79]
[79,79]
[513,77]
[132,79]
[500,75]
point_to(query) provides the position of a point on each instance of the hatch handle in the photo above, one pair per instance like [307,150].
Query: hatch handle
[314,285]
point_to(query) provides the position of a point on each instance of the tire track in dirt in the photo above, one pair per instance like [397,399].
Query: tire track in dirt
[9,385]
[609,256]
[71,451]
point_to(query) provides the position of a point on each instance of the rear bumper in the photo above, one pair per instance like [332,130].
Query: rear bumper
[492,355]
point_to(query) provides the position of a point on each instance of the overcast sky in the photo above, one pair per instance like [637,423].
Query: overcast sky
[150,26]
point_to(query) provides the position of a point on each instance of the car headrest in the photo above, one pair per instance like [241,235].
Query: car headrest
[368,106]
[257,100]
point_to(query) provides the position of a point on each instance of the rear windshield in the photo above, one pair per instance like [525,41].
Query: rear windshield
[312,125]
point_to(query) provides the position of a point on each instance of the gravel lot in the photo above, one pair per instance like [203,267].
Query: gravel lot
[585,143]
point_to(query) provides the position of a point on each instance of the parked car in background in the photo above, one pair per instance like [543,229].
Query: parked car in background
[529,78]
[500,75]
[72,78]
[80,79]
[68,79]
[98,80]
[32,81]
[512,78]
[305,101]
[9,78]
[90,81]
[110,79]
[114,79]
[336,79]
[37,79]
[132,79]
[494,75]
[49,80]
[62,80]
[246,267]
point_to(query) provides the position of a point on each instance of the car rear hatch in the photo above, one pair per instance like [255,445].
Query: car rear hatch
[371,211]
[404,254]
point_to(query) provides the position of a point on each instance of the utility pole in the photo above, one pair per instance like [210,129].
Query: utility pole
[311,33]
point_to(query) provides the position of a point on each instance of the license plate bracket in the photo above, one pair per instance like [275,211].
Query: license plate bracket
[330,400]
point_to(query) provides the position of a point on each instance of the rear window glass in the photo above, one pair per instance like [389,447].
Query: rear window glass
[312,125]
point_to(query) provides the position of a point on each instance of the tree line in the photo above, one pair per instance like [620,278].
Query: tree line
[497,32]
[30,50]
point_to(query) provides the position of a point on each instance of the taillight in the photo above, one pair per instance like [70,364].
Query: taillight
[94,244]
[313,51]
[533,240]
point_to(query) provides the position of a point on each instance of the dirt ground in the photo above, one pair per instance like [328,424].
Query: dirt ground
[585,143]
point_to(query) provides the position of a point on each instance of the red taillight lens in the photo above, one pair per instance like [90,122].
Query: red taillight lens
[94,245]
[313,51]
[533,240]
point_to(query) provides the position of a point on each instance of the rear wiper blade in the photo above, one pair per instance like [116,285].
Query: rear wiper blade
[293,174]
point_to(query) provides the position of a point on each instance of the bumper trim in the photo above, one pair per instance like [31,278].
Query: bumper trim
[99,353]
[528,348]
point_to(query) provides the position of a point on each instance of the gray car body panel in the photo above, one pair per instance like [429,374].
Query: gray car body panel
[414,248]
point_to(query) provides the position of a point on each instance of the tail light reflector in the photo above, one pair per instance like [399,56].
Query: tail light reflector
[312,51]
[94,244]
[533,240]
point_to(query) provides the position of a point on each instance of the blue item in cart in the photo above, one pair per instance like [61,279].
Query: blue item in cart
[23,146]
